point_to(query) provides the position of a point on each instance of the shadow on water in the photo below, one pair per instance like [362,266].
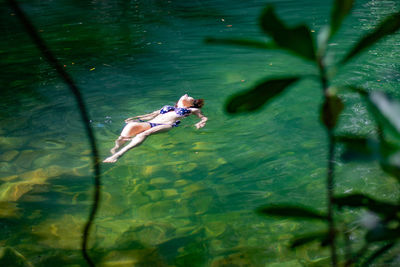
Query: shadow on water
[54,63]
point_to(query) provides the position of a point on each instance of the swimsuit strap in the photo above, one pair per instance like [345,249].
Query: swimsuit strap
[179,111]
[182,111]
[152,124]
[166,109]
[175,124]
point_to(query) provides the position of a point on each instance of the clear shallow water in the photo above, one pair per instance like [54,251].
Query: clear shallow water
[187,197]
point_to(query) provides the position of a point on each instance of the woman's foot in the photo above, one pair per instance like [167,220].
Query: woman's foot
[111,159]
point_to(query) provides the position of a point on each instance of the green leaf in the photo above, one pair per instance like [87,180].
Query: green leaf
[389,26]
[255,98]
[292,212]
[389,159]
[242,42]
[382,233]
[308,238]
[387,209]
[391,164]
[386,111]
[297,40]
[331,110]
[377,254]
[366,149]
[341,8]
[358,148]
[356,89]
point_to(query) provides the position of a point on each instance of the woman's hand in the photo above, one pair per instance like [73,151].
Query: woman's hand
[130,119]
[203,118]
[200,124]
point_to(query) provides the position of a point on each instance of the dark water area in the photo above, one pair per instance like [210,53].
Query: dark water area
[186,197]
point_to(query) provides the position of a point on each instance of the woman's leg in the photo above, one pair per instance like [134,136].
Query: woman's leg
[129,131]
[137,140]
[134,128]
[118,143]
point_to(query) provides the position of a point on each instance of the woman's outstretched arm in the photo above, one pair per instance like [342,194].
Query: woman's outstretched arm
[203,118]
[145,117]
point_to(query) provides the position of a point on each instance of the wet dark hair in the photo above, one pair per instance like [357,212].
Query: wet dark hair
[198,103]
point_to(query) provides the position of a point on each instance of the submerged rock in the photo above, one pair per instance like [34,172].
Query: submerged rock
[191,189]
[292,263]
[10,257]
[201,203]
[6,167]
[138,198]
[183,231]
[181,182]
[149,170]
[154,195]
[9,210]
[201,146]
[11,142]
[109,229]
[82,170]
[233,260]
[8,155]
[189,250]
[26,157]
[48,144]
[149,234]
[141,188]
[185,167]
[86,152]
[14,191]
[9,178]
[63,233]
[138,257]
[214,229]
[156,210]
[169,193]
[159,181]
[38,175]
[215,164]
[109,207]
[46,160]
[319,262]
[240,256]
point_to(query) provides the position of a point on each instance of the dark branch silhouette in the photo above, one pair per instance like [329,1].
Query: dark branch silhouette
[44,49]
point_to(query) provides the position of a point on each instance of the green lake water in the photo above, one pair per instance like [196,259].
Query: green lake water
[186,197]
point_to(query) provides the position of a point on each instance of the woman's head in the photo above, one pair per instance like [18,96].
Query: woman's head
[189,102]
[198,103]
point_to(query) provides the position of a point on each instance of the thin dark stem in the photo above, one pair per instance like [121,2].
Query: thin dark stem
[330,186]
[377,253]
[347,243]
[39,42]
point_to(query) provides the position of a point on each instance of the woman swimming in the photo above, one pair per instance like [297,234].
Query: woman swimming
[140,127]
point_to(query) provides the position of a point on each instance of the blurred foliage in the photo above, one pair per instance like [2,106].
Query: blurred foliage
[381,221]
[257,97]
